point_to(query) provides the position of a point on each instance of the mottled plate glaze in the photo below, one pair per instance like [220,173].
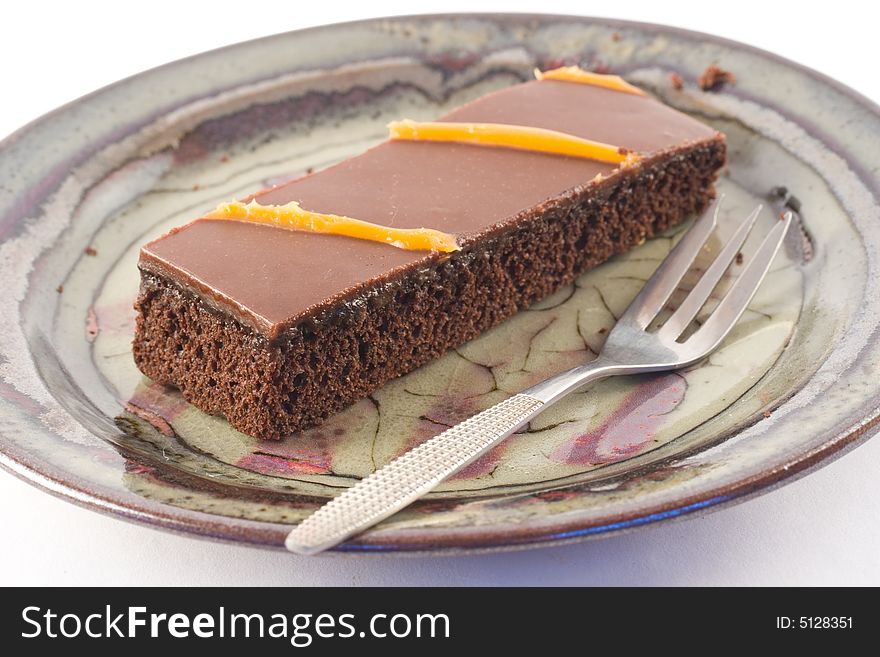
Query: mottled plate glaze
[84,187]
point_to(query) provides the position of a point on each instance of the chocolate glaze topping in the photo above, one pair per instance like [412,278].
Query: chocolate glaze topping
[271,278]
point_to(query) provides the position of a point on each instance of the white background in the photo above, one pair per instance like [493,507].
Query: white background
[823,529]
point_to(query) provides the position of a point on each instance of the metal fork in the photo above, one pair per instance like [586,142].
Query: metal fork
[629,349]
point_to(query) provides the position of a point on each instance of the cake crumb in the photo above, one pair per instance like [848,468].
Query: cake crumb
[739,258]
[91,251]
[615,36]
[766,413]
[60,288]
[196,187]
[309,170]
[677,82]
[715,77]
[603,330]
[224,158]
[554,62]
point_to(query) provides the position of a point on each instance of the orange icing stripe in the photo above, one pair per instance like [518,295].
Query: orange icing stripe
[511,136]
[577,74]
[293,217]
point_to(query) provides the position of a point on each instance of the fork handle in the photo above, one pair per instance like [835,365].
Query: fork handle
[556,387]
[411,475]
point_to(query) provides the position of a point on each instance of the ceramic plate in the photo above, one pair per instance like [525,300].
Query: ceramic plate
[83,188]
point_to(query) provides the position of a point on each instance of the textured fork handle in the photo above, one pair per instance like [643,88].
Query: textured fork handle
[410,476]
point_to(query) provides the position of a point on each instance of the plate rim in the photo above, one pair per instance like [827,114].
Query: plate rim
[129,506]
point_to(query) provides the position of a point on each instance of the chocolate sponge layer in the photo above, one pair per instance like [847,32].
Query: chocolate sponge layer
[272,384]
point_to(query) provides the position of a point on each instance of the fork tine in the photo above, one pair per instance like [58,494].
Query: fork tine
[667,276]
[689,308]
[734,303]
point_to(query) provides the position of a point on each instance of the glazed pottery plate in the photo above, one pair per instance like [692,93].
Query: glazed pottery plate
[84,187]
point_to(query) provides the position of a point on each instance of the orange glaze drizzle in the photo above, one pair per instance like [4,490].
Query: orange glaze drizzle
[511,136]
[292,216]
[577,74]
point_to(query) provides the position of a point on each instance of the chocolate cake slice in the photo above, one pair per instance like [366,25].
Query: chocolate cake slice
[277,329]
